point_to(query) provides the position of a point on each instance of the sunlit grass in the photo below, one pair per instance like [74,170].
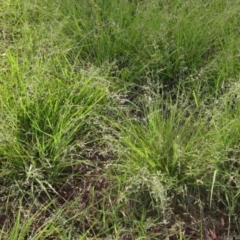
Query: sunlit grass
[118,119]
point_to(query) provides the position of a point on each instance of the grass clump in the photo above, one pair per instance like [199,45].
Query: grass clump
[164,42]
[119,119]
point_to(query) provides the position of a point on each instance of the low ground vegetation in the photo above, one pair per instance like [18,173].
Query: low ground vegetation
[119,119]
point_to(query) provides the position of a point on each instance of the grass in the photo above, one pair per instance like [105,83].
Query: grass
[119,119]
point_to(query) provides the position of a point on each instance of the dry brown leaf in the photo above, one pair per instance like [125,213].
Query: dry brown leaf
[213,234]
[222,221]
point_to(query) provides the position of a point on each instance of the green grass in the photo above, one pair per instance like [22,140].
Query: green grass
[119,119]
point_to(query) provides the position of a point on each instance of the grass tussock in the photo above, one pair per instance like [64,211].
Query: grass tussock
[119,119]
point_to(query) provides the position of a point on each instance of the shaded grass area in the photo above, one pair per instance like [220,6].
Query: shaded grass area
[119,119]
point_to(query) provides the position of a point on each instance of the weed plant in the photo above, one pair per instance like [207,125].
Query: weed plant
[119,119]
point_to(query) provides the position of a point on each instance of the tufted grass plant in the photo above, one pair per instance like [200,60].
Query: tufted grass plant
[46,121]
